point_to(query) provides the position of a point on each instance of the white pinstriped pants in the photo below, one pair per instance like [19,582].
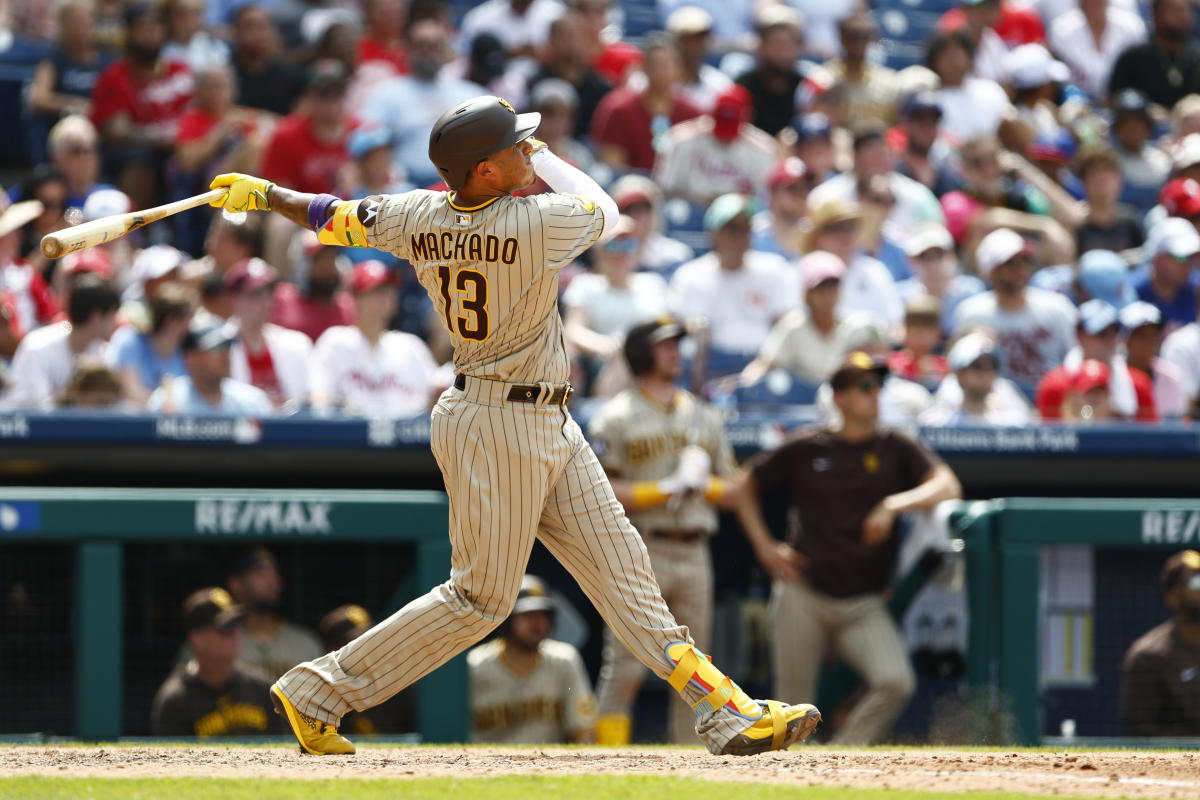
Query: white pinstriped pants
[804,621]
[513,471]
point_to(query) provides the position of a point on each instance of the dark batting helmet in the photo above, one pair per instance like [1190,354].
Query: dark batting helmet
[474,130]
[642,337]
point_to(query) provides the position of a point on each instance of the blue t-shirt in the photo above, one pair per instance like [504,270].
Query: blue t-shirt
[1181,309]
[131,348]
[237,399]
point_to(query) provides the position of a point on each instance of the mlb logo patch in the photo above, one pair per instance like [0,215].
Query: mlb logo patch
[462,219]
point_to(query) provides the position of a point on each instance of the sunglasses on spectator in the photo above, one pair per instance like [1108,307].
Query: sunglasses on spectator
[622,245]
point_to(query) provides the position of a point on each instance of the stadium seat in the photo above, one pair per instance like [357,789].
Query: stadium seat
[777,387]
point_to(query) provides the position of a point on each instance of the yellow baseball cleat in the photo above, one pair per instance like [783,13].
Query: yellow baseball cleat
[777,728]
[316,738]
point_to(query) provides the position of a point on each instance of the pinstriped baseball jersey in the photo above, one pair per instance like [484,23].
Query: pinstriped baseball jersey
[492,272]
[638,439]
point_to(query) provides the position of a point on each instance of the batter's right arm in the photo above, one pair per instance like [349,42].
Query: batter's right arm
[334,220]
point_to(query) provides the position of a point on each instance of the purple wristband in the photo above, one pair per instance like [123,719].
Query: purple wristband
[318,210]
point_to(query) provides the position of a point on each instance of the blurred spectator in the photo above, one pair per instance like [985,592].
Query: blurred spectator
[74,151]
[338,628]
[867,285]
[273,644]
[152,267]
[371,171]
[93,386]
[566,59]
[702,83]
[1107,224]
[1185,117]
[307,148]
[870,91]
[973,394]
[808,342]
[970,106]
[1144,166]
[847,485]
[978,21]
[1131,392]
[46,357]
[1158,694]
[1034,328]
[270,357]
[64,79]
[671,467]
[1186,163]
[187,41]
[901,401]
[629,124]
[488,66]
[316,301]
[773,81]
[382,38]
[136,105]
[738,293]
[1089,39]
[600,307]
[730,21]
[1141,324]
[1182,349]
[780,227]
[527,688]
[145,360]
[1104,275]
[214,135]
[1088,394]
[264,81]
[640,199]
[1036,78]
[365,368]
[1166,67]
[228,243]
[213,694]
[814,144]
[926,155]
[877,201]
[914,203]
[207,389]
[408,105]
[917,359]
[558,104]
[46,187]
[93,260]
[1170,280]
[120,251]
[936,272]
[715,153]
[523,26]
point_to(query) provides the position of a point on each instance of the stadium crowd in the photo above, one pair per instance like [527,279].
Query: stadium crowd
[1007,219]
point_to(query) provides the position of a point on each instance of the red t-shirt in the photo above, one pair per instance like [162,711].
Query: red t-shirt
[373,50]
[1052,390]
[262,374]
[902,363]
[1016,25]
[196,123]
[157,103]
[295,158]
[292,310]
[622,120]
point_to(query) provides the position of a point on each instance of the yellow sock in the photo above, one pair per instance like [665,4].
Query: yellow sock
[614,729]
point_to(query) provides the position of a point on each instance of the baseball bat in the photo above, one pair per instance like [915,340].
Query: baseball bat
[105,229]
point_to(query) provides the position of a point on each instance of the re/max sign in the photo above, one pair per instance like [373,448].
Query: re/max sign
[1170,527]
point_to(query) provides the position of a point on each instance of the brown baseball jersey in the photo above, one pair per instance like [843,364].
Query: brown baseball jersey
[1160,685]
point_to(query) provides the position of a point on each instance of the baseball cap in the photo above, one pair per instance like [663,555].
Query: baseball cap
[532,596]
[725,208]
[970,348]
[1140,313]
[1057,146]
[786,172]
[327,72]
[856,365]
[924,308]
[370,275]
[729,109]
[1130,101]
[553,92]
[927,237]
[1095,316]
[367,138]
[1092,374]
[999,246]
[106,203]
[921,100]
[210,606]
[1174,235]
[94,260]
[1187,152]
[1180,568]
[1105,275]
[1031,65]
[253,559]
[811,126]
[648,334]
[343,624]
[820,266]
[250,275]
[18,215]
[631,189]
[1181,197]
[157,261]
[777,15]
[207,333]
[689,20]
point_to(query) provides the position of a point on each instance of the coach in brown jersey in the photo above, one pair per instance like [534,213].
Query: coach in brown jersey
[846,487]
[516,465]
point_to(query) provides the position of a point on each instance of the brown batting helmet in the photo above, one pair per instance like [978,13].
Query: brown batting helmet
[474,130]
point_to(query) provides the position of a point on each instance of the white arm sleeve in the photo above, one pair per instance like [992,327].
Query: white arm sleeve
[564,178]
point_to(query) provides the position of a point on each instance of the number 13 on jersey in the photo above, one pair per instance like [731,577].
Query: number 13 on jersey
[471,289]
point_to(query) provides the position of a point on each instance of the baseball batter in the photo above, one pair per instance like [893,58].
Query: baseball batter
[667,457]
[515,464]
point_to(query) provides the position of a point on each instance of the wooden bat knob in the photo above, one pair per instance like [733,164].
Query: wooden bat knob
[51,246]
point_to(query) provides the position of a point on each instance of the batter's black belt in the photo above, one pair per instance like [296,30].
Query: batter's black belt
[680,535]
[560,394]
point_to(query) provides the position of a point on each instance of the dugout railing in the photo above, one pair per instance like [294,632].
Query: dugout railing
[89,531]
[1057,591]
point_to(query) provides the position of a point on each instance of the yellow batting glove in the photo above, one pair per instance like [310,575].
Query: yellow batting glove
[536,144]
[246,192]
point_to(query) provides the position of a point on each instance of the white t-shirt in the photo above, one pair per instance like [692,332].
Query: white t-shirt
[611,311]
[43,365]
[974,109]
[1033,340]
[698,166]
[395,378]
[1182,348]
[1070,37]
[513,30]
[868,286]
[796,345]
[1005,405]
[290,353]
[740,305]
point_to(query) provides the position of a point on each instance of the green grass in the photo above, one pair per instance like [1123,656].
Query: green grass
[513,787]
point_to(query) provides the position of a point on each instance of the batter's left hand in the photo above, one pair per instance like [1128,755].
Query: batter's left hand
[877,527]
[246,192]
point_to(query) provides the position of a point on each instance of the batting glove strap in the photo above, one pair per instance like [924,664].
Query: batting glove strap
[246,192]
